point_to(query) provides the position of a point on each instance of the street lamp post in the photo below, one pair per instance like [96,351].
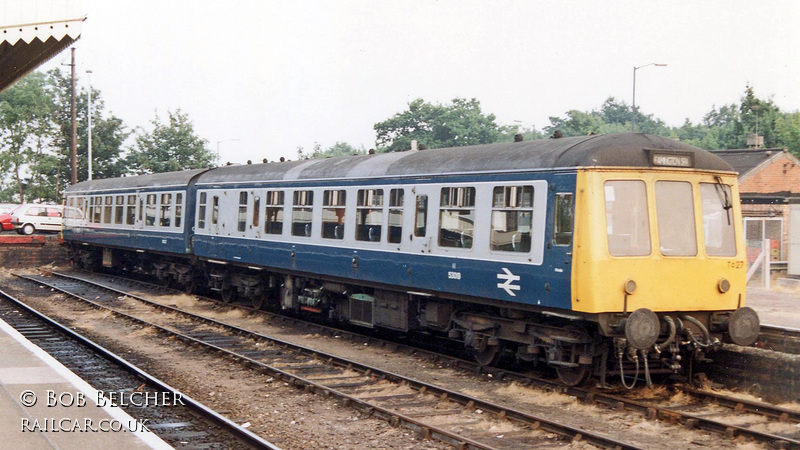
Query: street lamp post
[89,140]
[633,122]
[219,142]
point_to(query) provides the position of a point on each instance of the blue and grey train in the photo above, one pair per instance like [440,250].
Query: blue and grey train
[592,254]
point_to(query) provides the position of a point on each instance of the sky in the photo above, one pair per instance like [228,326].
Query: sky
[261,78]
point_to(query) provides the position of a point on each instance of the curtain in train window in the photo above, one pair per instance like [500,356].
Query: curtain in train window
[333,203]
[512,213]
[273,216]
[369,215]
[302,207]
[457,217]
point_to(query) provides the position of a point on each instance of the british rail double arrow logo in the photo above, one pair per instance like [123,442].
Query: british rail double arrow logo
[508,285]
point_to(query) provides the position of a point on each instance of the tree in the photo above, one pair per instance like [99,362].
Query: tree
[338,149]
[170,147]
[435,126]
[108,133]
[25,123]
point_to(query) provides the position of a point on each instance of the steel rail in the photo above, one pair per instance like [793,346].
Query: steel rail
[591,396]
[212,416]
[394,417]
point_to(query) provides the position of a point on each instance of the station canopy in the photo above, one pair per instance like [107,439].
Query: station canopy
[25,47]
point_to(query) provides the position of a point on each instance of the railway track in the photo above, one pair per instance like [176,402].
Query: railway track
[184,423]
[651,410]
[433,411]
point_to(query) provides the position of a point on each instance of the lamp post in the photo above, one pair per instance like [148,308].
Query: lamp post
[219,142]
[89,78]
[633,122]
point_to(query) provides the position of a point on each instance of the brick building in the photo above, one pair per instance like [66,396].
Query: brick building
[769,186]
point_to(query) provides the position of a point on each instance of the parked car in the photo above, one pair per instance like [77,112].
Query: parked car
[29,218]
[5,215]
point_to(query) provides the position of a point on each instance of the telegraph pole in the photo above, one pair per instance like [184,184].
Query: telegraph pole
[74,125]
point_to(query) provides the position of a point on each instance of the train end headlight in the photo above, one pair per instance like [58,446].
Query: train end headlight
[724,285]
[630,287]
[744,326]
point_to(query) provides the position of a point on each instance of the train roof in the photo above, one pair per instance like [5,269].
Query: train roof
[157,180]
[612,150]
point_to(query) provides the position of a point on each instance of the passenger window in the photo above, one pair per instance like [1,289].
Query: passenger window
[369,215]
[119,206]
[215,210]
[675,211]
[718,219]
[457,217]
[178,209]
[512,213]
[107,210]
[131,212]
[395,216]
[150,210]
[333,203]
[302,207]
[256,211]
[273,218]
[627,221]
[242,219]
[564,217]
[421,216]
[201,211]
[166,210]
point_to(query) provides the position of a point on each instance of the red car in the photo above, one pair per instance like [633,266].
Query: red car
[5,216]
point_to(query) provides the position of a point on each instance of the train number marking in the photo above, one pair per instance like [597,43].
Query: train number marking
[508,285]
[735,264]
[454,275]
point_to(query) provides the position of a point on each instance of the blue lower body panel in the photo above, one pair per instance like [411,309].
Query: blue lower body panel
[512,282]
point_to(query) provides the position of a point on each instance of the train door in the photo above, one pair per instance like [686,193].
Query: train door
[140,199]
[423,227]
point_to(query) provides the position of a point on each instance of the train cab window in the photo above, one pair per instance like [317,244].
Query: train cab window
[512,213]
[150,210]
[107,210]
[241,223]
[627,222]
[302,207]
[215,210]
[333,202]
[718,219]
[166,210]
[178,209]
[273,216]
[457,217]
[130,216]
[201,210]
[369,215]
[395,216]
[421,216]
[675,212]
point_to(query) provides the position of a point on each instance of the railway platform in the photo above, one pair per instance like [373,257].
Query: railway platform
[777,306]
[45,405]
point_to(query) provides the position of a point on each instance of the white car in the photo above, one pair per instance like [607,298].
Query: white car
[29,218]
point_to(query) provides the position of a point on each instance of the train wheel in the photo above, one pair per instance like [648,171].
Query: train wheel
[228,295]
[259,301]
[489,355]
[573,376]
